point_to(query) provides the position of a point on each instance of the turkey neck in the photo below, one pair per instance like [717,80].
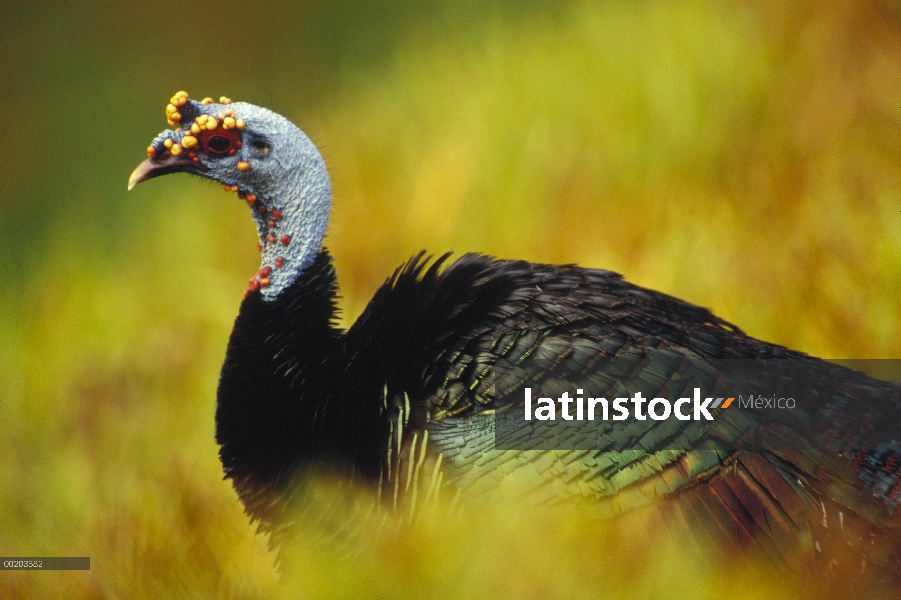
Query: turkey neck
[269,388]
[291,212]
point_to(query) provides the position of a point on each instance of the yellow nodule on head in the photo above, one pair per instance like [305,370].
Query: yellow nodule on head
[173,117]
[179,99]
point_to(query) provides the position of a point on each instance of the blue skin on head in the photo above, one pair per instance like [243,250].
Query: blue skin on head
[275,162]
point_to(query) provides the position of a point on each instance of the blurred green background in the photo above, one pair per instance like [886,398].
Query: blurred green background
[742,156]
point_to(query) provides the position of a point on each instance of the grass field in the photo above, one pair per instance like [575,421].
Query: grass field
[742,156]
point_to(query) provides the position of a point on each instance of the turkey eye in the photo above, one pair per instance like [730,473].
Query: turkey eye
[219,143]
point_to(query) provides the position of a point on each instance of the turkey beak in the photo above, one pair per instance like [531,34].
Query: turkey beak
[154,167]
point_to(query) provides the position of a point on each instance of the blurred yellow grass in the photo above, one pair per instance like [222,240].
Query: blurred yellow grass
[744,157]
[691,148]
[555,553]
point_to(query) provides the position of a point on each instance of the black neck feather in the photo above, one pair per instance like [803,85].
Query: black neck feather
[268,393]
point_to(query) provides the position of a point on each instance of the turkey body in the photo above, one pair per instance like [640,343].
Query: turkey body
[437,353]
[409,400]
